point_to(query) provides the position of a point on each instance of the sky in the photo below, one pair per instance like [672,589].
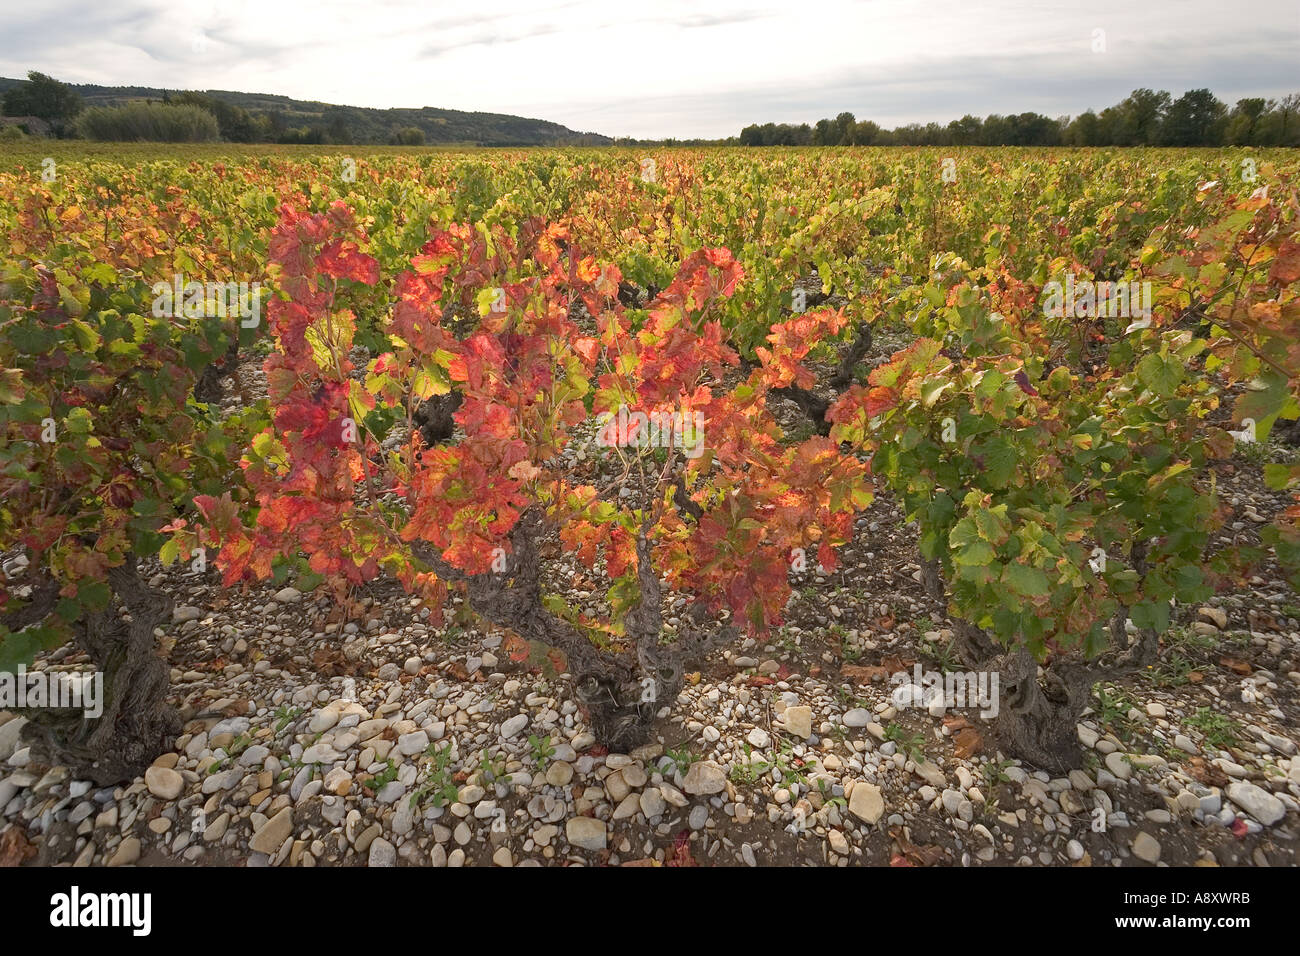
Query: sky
[671,68]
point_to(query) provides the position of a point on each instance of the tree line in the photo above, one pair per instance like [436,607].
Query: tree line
[1144,118]
[133,114]
[182,117]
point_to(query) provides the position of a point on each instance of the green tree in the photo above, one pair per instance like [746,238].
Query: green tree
[965,131]
[1244,120]
[45,97]
[410,136]
[337,130]
[865,132]
[844,126]
[1085,130]
[1140,117]
[1195,119]
[1280,124]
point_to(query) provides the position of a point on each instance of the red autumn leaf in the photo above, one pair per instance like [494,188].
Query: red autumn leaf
[516,648]
[1286,265]
[681,852]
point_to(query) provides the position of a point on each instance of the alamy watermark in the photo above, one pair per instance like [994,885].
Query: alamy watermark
[61,690]
[954,689]
[658,429]
[75,909]
[193,299]
[1093,300]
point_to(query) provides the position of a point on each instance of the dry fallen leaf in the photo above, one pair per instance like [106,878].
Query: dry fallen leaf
[457,670]
[965,737]
[968,743]
[1206,773]
[864,674]
[1234,665]
[1261,621]
[894,664]
[14,847]
[330,662]
[912,854]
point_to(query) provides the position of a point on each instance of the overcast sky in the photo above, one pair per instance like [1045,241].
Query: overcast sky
[663,68]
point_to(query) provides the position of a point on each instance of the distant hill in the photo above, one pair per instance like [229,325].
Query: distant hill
[364,124]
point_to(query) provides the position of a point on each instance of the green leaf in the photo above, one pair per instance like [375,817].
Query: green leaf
[932,389]
[1278,477]
[992,525]
[999,459]
[21,648]
[1031,582]
[11,386]
[976,553]
[1160,373]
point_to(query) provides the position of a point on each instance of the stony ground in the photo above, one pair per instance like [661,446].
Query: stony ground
[387,739]
[378,736]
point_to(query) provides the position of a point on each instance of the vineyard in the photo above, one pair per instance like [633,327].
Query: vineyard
[649,507]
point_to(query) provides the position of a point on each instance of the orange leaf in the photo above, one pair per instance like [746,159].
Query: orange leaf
[864,674]
[968,743]
[1234,665]
[15,847]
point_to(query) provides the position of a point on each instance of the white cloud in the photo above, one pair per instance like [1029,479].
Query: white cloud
[669,67]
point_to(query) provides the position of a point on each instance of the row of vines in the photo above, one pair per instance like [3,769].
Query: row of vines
[438,333]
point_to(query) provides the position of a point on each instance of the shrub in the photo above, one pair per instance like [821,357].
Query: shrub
[149,122]
[410,136]
[715,512]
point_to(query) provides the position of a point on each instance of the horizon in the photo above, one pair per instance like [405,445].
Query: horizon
[708,74]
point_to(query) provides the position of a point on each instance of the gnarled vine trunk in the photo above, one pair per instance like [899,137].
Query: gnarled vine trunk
[620,691]
[1039,706]
[137,723]
[433,417]
[1037,717]
[208,388]
[813,405]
